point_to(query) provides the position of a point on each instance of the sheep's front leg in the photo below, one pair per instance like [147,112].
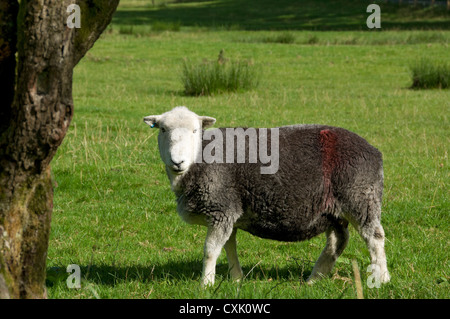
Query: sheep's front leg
[216,238]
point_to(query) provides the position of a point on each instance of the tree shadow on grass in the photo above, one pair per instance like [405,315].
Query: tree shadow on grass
[176,271]
[283,15]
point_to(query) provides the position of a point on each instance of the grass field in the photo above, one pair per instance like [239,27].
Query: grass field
[115,216]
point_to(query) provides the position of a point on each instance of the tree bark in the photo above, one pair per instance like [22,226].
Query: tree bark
[33,124]
[8,30]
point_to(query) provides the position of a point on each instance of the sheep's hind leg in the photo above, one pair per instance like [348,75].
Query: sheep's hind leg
[368,225]
[373,235]
[216,238]
[337,238]
[233,261]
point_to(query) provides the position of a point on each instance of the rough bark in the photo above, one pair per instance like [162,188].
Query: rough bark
[8,28]
[33,125]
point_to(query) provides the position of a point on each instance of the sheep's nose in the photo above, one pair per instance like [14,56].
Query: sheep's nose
[177,163]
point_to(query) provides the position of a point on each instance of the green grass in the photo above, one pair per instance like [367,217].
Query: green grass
[146,31]
[430,73]
[218,76]
[285,37]
[346,38]
[115,215]
[258,15]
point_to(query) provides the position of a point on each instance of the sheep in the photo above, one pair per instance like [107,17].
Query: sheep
[327,177]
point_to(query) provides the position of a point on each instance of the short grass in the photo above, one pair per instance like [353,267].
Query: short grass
[115,216]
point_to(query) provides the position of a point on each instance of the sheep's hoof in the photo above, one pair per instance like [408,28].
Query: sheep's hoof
[311,281]
[206,283]
[385,277]
[237,277]
[313,278]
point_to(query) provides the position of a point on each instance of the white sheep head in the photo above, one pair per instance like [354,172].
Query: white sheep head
[179,138]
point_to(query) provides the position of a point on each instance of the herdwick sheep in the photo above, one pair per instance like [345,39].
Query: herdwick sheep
[326,177]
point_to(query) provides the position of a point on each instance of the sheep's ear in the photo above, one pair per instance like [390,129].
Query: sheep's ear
[152,120]
[207,121]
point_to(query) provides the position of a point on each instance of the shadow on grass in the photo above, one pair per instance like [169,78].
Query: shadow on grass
[283,15]
[175,271]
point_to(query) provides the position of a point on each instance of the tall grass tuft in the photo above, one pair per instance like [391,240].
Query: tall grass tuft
[427,74]
[284,38]
[222,75]
[149,30]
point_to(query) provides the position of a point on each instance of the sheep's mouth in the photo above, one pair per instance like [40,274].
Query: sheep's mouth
[177,171]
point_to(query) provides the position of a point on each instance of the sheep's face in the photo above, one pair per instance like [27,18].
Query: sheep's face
[180,137]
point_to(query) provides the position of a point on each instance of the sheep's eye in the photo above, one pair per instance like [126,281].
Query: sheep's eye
[163,129]
[194,131]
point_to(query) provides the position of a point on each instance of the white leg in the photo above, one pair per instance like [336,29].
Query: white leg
[374,239]
[366,218]
[216,238]
[233,261]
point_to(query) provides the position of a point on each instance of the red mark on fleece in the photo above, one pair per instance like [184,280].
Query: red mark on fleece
[328,141]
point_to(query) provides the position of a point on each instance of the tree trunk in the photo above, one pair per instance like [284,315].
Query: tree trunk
[33,124]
